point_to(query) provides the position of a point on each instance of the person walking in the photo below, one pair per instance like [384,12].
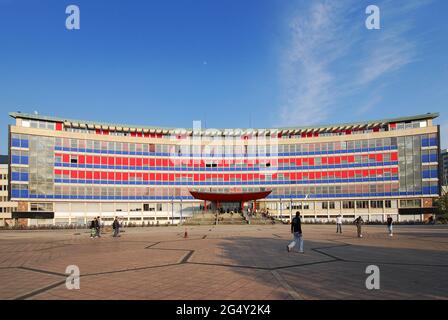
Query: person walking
[93,229]
[339,224]
[296,230]
[389,225]
[98,227]
[358,222]
[116,227]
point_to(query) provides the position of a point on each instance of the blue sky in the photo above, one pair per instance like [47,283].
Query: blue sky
[232,63]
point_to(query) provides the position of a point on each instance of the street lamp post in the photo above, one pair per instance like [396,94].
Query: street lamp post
[290,210]
[281,209]
[303,205]
[181,211]
[172,211]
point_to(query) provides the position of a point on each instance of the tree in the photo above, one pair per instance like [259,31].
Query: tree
[441,204]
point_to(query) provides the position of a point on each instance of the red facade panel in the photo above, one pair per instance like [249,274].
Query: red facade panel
[394,156]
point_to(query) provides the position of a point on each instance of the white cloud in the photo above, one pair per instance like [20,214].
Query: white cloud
[369,104]
[331,55]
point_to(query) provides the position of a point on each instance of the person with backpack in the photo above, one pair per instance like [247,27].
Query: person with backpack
[339,224]
[389,225]
[296,230]
[116,227]
[358,222]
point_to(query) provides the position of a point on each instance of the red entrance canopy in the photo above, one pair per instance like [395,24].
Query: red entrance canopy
[230,197]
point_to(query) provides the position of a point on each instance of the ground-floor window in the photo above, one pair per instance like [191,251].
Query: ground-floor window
[348,204]
[411,203]
[328,205]
[40,206]
[362,204]
[376,204]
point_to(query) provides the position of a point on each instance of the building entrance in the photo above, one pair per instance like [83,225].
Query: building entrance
[225,207]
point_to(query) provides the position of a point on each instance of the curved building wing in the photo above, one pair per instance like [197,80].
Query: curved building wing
[75,169]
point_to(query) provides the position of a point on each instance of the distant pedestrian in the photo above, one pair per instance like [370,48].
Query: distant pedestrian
[339,224]
[358,222]
[116,227]
[93,228]
[296,230]
[98,227]
[389,225]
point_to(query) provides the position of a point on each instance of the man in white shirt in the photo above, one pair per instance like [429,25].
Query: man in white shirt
[339,224]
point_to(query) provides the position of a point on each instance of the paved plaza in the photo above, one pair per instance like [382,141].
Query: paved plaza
[226,262]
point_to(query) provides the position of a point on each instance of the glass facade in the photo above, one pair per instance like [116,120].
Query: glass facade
[50,167]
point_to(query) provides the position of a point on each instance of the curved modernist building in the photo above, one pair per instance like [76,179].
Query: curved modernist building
[67,171]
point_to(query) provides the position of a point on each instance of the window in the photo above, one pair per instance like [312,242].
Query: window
[376,204]
[328,205]
[148,207]
[362,204]
[413,203]
[41,207]
[387,203]
[348,204]
[306,206]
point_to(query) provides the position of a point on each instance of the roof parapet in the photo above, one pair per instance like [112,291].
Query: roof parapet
[237,131]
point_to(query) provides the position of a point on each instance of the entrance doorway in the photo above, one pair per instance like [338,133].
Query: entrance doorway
[226,207]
